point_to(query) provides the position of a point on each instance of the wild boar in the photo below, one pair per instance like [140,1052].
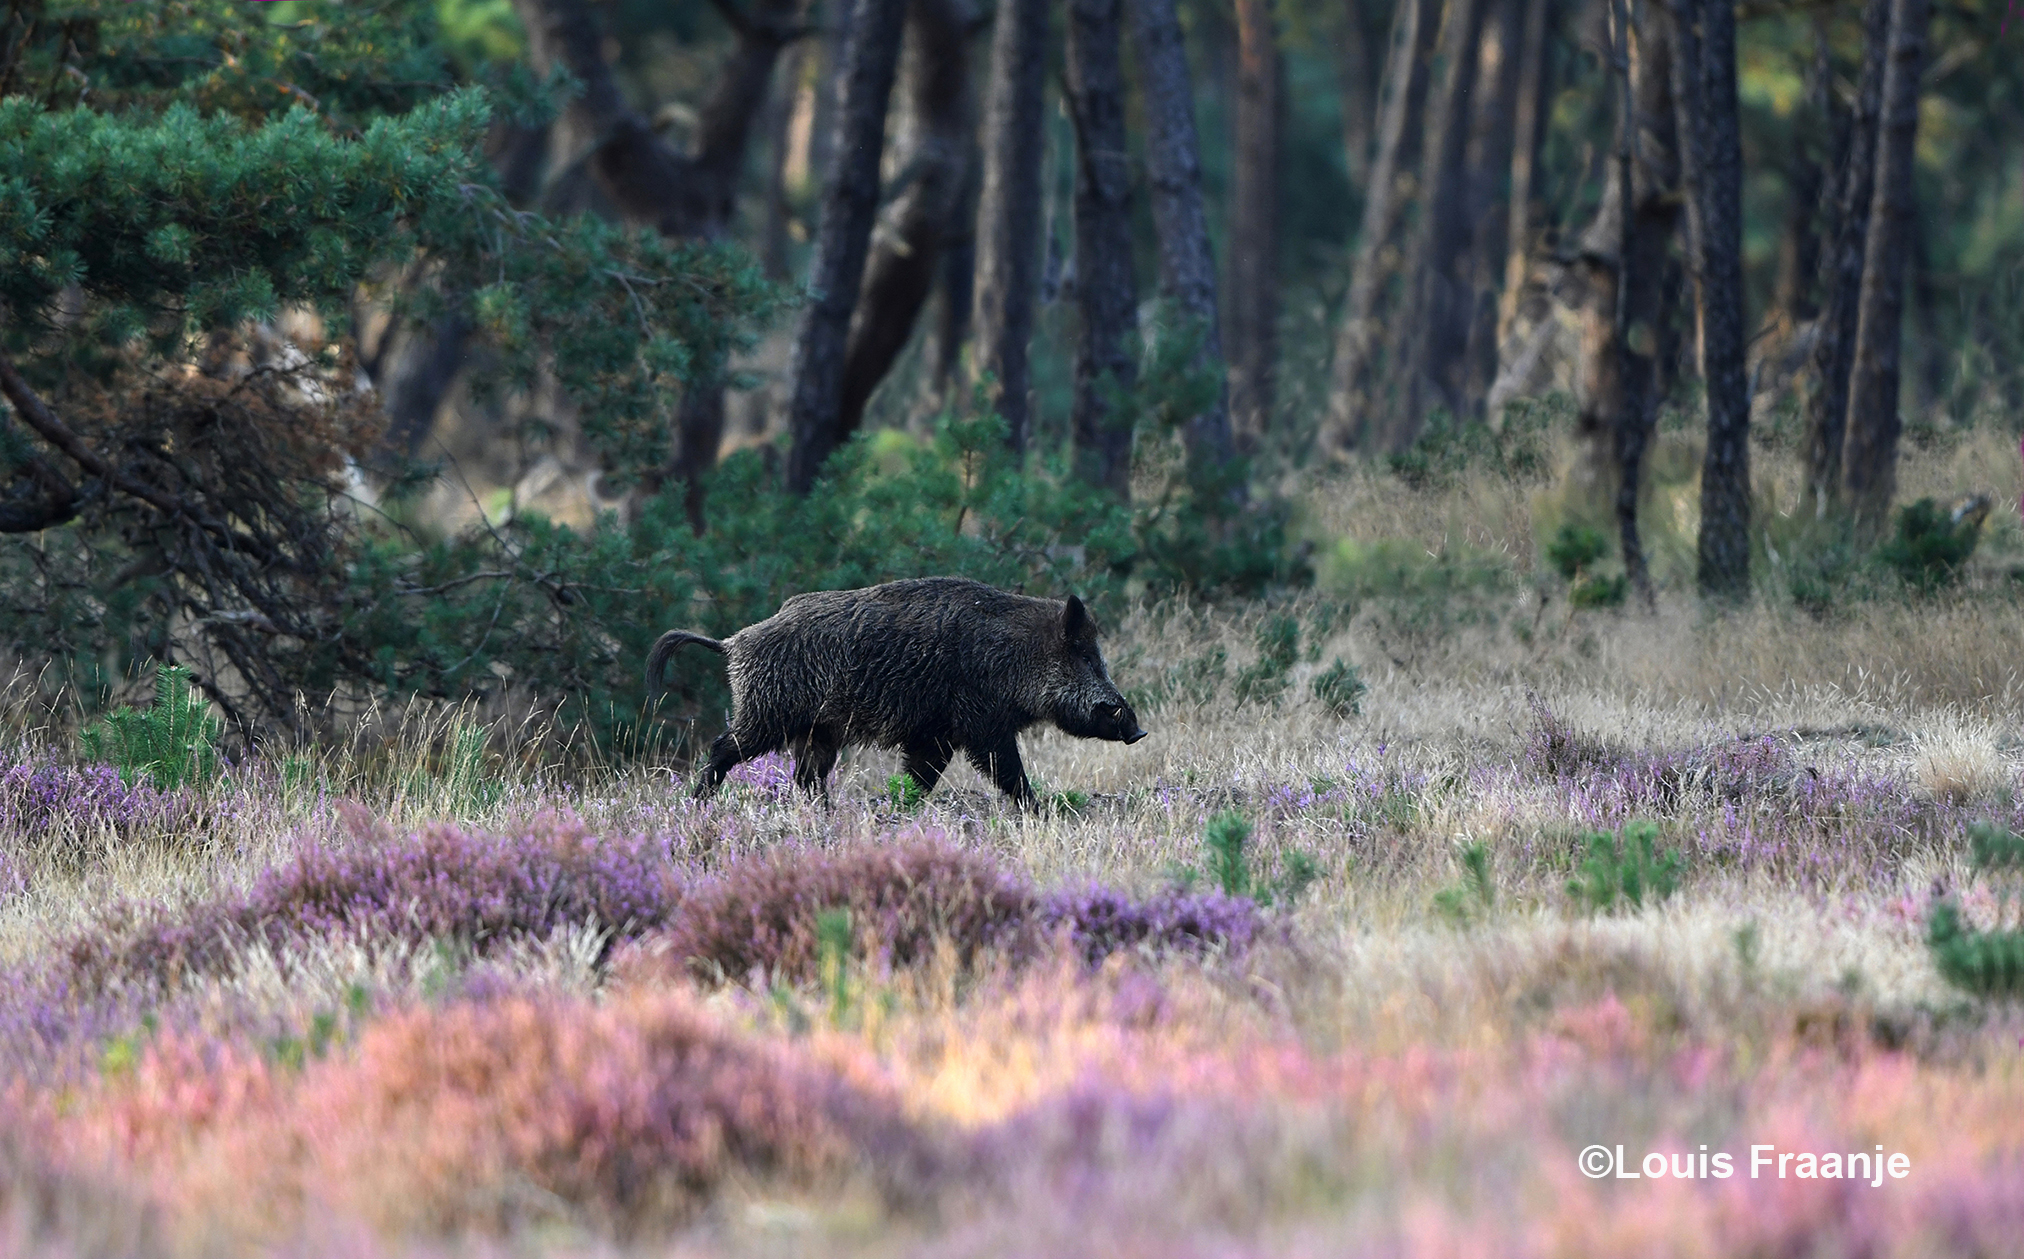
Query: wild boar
[927,666]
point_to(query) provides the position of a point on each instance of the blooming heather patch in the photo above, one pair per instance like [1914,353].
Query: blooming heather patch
[442,882]
[486,1115]
[1101,921]
[905,899]
[38,801]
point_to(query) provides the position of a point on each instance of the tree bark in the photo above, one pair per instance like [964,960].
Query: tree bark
[1869,470]
[779,207]
[1794,297]
[1493,142]
[1359,74]
[1008,211]
[1254,221]
[1174,175]
[1834,347]
[850,194]
[1622,255]
[934,144]
[1414,28]
[958,281]
[1433,335]
[1106,356]
[647,181]
[1711,148]
[1535,86]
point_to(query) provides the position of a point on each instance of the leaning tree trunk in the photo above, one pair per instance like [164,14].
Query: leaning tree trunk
[1433,336]
[1254,221]
[1106,362]
[1834,347]
[934,146]
[1008,211]
[1403,96]
[871,51]
[648,182]
[1869,472]
[1711,146]
[1174,174]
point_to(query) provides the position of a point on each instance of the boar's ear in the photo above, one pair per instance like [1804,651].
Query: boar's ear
[1074,618]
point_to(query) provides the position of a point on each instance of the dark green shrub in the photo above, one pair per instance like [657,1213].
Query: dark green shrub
[1264,681]
[1987,963]
[1931,543]
[1574,552]
[1576,548]
[1341,689]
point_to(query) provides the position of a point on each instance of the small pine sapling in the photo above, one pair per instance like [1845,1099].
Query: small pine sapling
[1228,838]
[172,743]
[832,934]
[1472,899]
[1628,871]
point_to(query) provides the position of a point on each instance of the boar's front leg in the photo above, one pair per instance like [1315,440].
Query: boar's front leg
[925,760]
[1001,763]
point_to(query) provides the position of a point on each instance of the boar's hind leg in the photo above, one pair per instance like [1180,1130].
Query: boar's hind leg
[1001,763]
[814,756]
[925,761]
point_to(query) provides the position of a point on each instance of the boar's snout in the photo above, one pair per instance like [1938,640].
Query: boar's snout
[1120,723]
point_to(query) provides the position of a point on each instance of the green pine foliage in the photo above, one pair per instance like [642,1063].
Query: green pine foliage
[1626,871]
[1231,865]
[173,743]
[1474,898]
[1341,688]
[1986,962]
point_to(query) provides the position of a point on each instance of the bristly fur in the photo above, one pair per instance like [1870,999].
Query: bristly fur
[929,666]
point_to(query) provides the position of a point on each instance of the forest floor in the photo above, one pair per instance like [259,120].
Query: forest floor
[422,993]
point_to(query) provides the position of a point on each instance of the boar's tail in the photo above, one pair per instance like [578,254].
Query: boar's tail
[667,645]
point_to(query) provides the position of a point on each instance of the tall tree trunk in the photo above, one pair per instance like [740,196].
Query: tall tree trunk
[934,144]
[1834,347]
[871,53]
[1174,174]
[1254,221]
[1869,470]
[780,108]
[1414,28]
[681,195]
[1624,310]
[1493,141]
[958,283]
[1535,87]
[1008,211]
[1711,147]
[1794,298]
[1106,356]
[1359,73]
